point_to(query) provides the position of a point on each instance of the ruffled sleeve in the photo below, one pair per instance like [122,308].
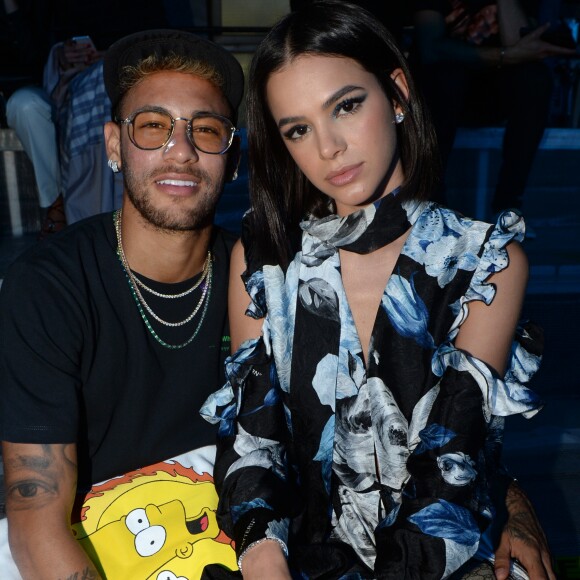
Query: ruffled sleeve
[510,227]
[253,276]
[507,396]
[251,472]
[511,395]
[256,263]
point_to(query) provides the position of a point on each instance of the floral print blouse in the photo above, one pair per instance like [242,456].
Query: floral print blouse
[387,467]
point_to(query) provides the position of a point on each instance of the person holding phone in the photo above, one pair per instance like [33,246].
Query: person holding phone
[32,112]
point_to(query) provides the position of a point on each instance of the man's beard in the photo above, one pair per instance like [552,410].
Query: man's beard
[182,220]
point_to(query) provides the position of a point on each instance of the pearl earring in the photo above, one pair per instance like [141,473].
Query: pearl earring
[399,118]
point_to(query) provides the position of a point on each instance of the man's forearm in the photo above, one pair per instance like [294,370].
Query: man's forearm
[512,19]
[522,539]
[522,522]
[40,485]
[51,555]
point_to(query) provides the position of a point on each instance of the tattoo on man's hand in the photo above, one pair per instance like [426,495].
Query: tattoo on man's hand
[520,525]
[522,522]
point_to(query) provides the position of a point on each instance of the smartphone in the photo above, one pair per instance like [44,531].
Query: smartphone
[84,42]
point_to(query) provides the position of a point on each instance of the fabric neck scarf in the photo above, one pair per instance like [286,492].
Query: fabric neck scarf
[365,230]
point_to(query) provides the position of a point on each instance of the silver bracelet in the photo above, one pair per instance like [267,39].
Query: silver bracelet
[254,544]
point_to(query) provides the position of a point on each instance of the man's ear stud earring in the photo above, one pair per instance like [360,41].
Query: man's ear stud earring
[113,165]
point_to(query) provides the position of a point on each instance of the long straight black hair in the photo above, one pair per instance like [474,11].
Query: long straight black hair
[281,196]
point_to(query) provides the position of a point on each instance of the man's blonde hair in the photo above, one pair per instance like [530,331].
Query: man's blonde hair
[133,75]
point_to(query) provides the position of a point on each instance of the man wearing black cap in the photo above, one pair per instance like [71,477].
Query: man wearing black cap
[113,334]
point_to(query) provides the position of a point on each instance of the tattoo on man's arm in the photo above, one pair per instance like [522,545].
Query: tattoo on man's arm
[86,574]
[34,477]
[520,525]
[522,522]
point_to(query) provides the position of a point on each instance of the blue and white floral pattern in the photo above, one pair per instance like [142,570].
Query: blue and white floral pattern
[393,457]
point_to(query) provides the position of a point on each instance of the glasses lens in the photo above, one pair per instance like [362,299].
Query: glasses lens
[151,129]
[211,134]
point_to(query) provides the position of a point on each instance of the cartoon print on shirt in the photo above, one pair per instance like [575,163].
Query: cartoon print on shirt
[157,523]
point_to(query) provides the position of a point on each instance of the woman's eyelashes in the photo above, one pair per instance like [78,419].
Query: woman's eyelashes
[346,107]
[296,132]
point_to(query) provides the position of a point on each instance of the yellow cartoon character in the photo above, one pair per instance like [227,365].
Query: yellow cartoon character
[157,523]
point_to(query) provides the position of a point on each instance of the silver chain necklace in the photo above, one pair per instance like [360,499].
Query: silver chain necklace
[206,269]
[134,283]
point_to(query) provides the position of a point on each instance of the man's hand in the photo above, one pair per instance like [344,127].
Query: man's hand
[531,47]
[523,539]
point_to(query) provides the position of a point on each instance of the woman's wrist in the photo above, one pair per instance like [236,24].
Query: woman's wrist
[272,549]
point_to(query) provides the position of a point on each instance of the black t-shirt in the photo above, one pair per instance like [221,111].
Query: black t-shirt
[78,364]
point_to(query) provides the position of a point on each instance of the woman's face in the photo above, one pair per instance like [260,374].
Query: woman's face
[338,126]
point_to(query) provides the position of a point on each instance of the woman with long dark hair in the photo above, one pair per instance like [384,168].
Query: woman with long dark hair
[360,433]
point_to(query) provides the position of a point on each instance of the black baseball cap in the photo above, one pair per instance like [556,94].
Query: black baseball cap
[130,50]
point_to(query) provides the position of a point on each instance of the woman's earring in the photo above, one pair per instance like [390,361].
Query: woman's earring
[113,165]
[399,118]
[235,175]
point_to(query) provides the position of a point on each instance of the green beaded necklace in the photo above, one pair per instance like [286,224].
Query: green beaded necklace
[117,215]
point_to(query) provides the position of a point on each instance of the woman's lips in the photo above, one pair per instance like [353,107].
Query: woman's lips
[344,175]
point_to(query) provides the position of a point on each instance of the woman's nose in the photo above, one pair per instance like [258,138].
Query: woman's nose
[331,142]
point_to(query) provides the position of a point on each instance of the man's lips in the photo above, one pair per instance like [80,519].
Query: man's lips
[344,175]
[178,182]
